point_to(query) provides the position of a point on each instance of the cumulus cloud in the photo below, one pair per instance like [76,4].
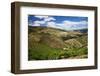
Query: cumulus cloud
[51,24]
[70,23]
[49,19]
[46,18]
[41,17]
[63,26]
[75,25]
[66,24]
[46,21]
[39,22]
[36,24]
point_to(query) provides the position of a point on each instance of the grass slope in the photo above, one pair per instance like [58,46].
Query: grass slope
[49,43]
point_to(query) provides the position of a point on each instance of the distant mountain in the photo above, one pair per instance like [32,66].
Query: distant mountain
[82,30]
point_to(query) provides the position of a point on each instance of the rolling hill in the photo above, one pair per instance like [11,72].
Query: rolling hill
[49,43]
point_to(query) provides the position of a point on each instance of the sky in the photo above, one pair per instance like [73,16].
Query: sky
[59,22]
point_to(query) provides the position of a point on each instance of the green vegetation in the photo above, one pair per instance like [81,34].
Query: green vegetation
[49,44]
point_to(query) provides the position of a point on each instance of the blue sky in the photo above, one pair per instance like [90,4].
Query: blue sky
[60,22]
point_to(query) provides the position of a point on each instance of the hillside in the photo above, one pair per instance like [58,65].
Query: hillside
[48,43]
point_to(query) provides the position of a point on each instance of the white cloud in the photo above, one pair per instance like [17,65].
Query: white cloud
[46,18]
[51,24]
[41,17]
[63,26]
[39,22]
[84,22]
[67,25]
[71,23]
[49,19]
[36,24]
